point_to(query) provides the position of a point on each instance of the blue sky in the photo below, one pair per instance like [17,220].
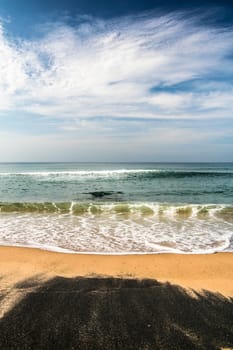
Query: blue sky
[116,80]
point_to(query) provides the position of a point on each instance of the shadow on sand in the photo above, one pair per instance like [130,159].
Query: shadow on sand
[112,313]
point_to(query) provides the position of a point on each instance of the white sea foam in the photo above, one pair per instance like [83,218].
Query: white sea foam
[165,228]
[81,172]
[108,172]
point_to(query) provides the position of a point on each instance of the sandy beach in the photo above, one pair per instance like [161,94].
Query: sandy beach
[213,272]
[52,300]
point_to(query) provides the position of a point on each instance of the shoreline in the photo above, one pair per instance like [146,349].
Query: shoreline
[213,272]
[58,250]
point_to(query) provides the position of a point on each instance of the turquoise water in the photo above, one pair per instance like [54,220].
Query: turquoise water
[117,208]
[153,182]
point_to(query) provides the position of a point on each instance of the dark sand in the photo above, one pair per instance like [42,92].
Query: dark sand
[110,313]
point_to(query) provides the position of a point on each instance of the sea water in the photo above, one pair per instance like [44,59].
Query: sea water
[117,208]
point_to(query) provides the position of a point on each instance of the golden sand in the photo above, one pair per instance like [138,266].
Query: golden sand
[212,272]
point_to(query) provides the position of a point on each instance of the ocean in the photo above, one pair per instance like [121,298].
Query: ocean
[117,208]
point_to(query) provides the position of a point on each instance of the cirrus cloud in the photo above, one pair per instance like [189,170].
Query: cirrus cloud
[126,67]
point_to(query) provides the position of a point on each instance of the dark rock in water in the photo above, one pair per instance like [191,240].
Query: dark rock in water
[100,194]
[114,314]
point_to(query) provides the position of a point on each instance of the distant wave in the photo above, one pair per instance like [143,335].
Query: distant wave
[144,173]
[81,172]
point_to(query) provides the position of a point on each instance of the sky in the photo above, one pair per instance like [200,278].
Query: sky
[111,81]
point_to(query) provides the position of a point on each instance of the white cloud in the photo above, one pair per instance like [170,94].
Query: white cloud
[12,75]
[169,101]
[107,68]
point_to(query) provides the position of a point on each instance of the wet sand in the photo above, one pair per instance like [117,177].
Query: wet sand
[93,302]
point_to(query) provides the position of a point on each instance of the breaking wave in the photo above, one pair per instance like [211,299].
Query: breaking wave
[117,228]
[145,173]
